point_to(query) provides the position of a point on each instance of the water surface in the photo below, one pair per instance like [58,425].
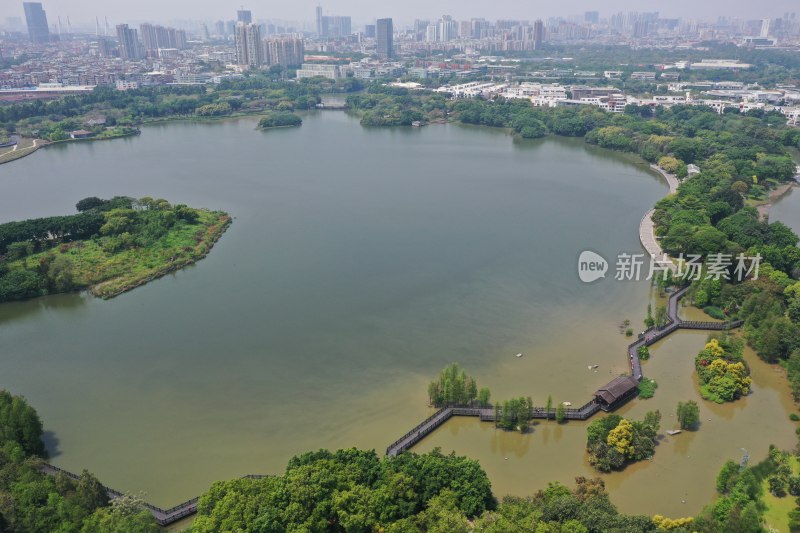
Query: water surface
[359,263]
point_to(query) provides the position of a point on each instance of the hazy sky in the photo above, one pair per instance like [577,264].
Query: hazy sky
[404,11]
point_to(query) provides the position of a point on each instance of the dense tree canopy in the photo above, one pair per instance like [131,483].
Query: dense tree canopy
[349,490]
[33,502]
[614,441]
[455,387]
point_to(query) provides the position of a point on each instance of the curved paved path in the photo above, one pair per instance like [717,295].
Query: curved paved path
[647,230]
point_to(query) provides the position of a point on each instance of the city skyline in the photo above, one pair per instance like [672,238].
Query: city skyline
[403,14]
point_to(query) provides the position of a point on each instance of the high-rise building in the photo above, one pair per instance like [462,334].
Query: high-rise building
[369,31]
[432,33]
[336,27]
[385,38]
[465,29]
[156,37]
[592,17]
[219,26]
[765,27]
[128,38]
[481,28]
[36,19]
[284,51]
[538,34]
[149,35]
[244,15]
[319,21]
[420,29]
[447,29]
[248,44]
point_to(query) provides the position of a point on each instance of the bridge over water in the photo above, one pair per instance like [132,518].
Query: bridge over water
[165,517]
[646,338]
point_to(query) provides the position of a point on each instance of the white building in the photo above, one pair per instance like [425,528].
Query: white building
[719,64]
[124,85]
[311,70]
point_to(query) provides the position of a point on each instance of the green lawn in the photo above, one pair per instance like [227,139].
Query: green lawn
[777,510]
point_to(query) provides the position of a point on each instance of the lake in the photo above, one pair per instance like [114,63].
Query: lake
[359,263]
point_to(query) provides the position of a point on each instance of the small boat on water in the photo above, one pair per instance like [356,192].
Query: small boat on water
[673,431]
[519,355]
[567,404]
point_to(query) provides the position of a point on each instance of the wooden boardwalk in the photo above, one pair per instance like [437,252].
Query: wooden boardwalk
[646,338]
[164,517]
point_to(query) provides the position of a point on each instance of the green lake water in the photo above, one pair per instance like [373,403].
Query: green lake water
[360,262]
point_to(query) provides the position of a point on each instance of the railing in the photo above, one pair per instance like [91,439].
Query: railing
[419,431]
[695,324]
[164,517]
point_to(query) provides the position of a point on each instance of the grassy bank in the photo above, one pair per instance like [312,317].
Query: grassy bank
[25,146]
[17,154]
[109,276]
[120,249]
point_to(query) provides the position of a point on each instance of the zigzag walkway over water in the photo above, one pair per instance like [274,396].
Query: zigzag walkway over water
[599,402]
[607,398]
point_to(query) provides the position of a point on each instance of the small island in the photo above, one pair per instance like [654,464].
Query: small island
[279,119]
[109,247]
[720,367]
[614,441]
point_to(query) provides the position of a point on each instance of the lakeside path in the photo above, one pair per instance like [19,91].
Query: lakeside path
[18,152]
[647,228]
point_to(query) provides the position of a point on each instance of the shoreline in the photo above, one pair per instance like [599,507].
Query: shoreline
[24,152]
[658,170]
[16,154]
[775,195]
[647,228]
[279,127]
[41,143]
[111,288]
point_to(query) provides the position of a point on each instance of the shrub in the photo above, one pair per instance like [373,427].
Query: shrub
[714,312]
[647,388]
[644,353]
